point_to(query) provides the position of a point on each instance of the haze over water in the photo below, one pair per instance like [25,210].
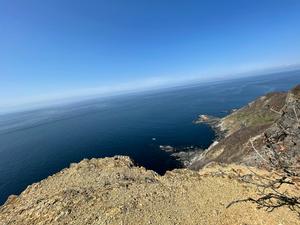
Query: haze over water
[35,144]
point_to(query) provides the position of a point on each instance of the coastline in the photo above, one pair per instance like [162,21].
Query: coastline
[185,155]
[214,123]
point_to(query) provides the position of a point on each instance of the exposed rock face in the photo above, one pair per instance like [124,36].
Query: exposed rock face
[284,134]
[114,191]
[274,117]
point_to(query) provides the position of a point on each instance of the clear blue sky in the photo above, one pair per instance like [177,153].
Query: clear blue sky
[56,48]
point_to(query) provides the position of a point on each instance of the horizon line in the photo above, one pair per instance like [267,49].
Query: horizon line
[129,88]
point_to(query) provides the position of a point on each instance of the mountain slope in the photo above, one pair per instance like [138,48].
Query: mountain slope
[238,128]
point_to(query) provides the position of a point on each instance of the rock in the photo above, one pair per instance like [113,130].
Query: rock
[167,148]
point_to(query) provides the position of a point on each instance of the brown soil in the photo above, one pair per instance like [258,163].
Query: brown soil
[114,191]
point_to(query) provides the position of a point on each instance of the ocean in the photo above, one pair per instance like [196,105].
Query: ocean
[38,143]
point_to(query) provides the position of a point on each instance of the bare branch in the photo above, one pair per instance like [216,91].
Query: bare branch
[253,147]
[294,109]
[274,191]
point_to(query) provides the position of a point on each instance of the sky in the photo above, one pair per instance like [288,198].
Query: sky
[56,49]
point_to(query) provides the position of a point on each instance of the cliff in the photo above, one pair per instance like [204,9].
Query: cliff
[115,191]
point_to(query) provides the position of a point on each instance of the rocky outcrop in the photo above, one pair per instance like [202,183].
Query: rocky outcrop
[284,135]
[115,191]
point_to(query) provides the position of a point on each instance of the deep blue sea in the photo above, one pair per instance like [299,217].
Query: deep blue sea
[35,144]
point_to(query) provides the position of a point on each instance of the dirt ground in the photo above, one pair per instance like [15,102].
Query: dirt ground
[114,191]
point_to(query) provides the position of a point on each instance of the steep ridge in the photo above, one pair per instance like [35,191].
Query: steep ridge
[238,128]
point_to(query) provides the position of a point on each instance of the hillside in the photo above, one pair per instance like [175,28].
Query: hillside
[114,191]
[236,129]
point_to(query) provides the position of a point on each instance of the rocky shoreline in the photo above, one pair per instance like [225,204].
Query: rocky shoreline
[214,123]
[186,154]
[182,154]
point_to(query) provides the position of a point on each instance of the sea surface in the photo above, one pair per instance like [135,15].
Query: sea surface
[38,143]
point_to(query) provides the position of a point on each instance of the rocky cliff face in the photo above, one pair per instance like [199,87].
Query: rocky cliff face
[114,191]
[274,116]
[284,135]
